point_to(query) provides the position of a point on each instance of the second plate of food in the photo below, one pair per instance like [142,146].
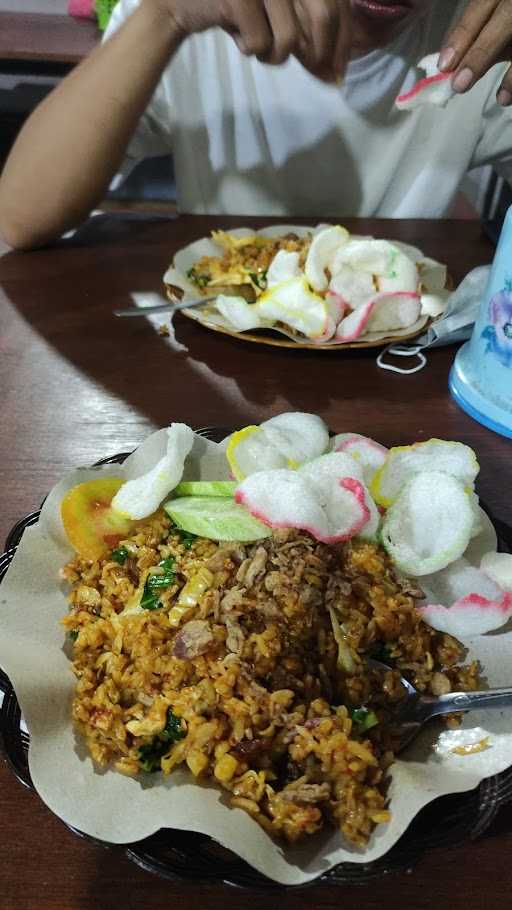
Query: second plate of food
[320,288]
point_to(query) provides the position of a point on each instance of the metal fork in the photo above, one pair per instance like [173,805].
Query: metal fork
[163,307]
[416,709]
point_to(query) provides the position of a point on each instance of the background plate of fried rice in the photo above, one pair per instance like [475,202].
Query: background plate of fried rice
[120,809]
[177,284]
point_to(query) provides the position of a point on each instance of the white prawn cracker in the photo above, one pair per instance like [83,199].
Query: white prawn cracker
[435,88]
[297,435]
[293,303]
[241,315]
[403,276]
[322,251]
[394,310]
[353,286]
[463,601]
[354,325]
[321,499]
[249,450]
[283,267]
[376,257]
[386,312]
[141,497]
[429,525]
[403,462]
[283,441]
[321,473]
[369,454]
[498,567]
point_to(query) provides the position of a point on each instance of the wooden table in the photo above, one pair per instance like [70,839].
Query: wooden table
[78,385]
[45,38]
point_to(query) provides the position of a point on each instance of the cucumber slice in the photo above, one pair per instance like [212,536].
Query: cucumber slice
[215,517]
[206,488]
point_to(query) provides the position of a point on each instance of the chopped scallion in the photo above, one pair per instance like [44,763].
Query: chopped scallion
[120,555]
[151,754]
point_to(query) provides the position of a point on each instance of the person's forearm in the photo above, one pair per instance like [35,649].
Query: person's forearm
[71,146]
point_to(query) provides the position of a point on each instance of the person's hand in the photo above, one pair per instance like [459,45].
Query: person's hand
[315,31]
[481,38]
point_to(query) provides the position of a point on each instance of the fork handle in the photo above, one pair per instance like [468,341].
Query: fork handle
[469,701]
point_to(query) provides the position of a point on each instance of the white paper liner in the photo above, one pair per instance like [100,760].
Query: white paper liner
[118,809]
[185,258]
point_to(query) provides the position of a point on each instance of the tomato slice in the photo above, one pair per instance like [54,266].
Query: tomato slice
[92,526]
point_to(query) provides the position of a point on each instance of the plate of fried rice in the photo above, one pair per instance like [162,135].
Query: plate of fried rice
[249,692]
[225,685]
[308,287]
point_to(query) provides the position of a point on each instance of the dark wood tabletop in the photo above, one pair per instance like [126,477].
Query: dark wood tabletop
[46,38]
[77,385]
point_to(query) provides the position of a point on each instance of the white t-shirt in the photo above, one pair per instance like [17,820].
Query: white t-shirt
[252,139]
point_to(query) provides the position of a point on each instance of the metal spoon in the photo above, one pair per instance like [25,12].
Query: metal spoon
[412,713]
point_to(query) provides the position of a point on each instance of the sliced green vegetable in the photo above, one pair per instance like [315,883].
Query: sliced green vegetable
[158,582]
[186,538]
[364,719]
[73,635]
[216,518]
[120,555]
[259,279]
[206,488]
[173,730]
[152,753]
[196,278]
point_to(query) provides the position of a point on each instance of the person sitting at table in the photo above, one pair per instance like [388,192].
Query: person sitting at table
[248,97]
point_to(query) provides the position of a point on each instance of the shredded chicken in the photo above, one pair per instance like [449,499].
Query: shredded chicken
[256,566]
[236,638]
[306,793]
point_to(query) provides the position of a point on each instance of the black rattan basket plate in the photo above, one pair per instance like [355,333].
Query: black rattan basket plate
[182,855]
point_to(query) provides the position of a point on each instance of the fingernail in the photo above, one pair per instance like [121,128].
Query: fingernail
[463,80]
[446,58]
[504,97]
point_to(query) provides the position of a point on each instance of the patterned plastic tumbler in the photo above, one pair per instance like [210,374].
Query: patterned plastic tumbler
[481,376]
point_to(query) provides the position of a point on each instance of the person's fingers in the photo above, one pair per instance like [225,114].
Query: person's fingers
[504,95]
[286,34]
[247,21]
[487,49]
[319,23]
[343,40]
[466,32]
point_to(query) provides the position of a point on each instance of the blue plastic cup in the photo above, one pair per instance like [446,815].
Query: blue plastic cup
[481,376]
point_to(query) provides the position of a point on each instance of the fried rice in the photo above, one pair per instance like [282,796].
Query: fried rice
[250,667]
[243,263]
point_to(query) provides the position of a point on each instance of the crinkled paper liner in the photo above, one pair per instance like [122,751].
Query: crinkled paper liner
[114,808]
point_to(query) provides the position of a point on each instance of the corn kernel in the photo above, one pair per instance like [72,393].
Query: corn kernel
[225,768]
[221,749]
[176,615]
[197,762]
